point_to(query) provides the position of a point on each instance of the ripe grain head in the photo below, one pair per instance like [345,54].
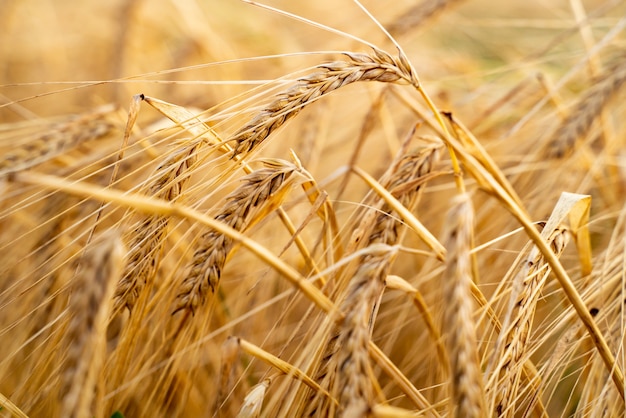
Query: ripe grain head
[90,305]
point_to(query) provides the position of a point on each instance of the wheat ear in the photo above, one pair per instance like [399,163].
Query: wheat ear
[348,344]
[260,189]
[526,291]
[417,15]
[468,396]
[353,385]
[147,240]
[89,309]
[378,66]
[55,141]
[168,182]
[578,123]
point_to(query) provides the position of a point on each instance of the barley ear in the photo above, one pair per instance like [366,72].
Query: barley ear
[578,123]
[378,66]
[466,383]
[260,192]
[55,141]
[89,308]
[147,239]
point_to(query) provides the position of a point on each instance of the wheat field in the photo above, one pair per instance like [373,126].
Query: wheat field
[282,209]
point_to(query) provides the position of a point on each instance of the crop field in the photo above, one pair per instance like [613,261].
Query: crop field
[347,208]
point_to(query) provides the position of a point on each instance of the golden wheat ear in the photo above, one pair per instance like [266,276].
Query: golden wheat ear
[466,379]
[89,309]
[147,239]
[261,190]
[378,66]
[345,367]
[587,110]
[57,139]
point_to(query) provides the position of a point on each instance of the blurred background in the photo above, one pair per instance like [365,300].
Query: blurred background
[63,57]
